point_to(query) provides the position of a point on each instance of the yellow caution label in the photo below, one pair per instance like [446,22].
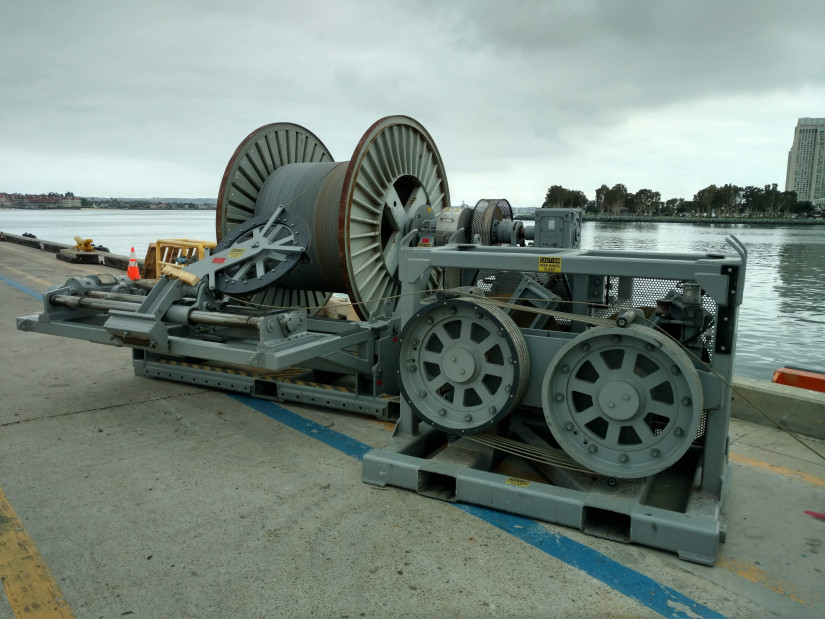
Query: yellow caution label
[515,481]
[548,264]
[236,253]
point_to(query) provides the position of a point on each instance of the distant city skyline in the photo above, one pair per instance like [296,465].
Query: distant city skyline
[806,161]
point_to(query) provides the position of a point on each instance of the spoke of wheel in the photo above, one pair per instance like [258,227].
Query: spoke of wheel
[642,429]
[654,380]
[493,369]
[487,390]
[442,334]
[589,415]
[395,209]
[428,356]
[599,364]
[466,326]
[243,270]
[612,437]
[664,410]
[582,386]
[391,254]
[629,361]
[458,394]
[418,196]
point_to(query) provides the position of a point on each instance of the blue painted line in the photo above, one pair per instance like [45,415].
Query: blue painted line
[341,442]
[635,585]
[21,287]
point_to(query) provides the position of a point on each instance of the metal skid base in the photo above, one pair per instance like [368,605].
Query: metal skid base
[289,385]
[664,511]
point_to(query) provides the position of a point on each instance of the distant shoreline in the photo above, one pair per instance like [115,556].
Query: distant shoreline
[206,207]
[708,221]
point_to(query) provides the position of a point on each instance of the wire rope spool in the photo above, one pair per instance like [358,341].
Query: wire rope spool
[357,211]
[263,151]
[464,365]
[623,402]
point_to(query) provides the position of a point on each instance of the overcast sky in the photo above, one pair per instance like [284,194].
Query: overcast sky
[145,99]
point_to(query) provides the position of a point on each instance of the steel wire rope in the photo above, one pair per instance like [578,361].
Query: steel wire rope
[591,320]
[650,324]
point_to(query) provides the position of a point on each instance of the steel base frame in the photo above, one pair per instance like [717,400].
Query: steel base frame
[629,511]
[290,385]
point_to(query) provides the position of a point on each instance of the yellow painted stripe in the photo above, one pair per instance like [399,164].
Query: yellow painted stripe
[779,470]
[28,276]
[30,587]
[760,576]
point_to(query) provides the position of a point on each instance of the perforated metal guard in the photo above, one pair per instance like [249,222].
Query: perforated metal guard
[645,293]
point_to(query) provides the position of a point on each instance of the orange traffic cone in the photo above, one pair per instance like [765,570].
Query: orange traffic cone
[132,271]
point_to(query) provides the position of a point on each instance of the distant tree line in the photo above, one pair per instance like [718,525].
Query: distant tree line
[728,201]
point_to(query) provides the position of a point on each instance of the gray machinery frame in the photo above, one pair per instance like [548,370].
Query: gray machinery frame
[581,387]
[679,509]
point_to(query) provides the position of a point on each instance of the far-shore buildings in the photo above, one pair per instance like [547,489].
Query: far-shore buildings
[806,161]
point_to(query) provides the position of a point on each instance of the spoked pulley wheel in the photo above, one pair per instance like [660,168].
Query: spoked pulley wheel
[623,402]
[463,366]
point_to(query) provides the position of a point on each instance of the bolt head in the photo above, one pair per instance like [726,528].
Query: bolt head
[415,342]
[429,321]
[648,347]
[422,393]
[468,417]
[565,368]
[611,405]
[626,397]
[624,458]
[507,388]
[585,347]
[569,426]
[686,401]
[492,409]
[442,412]
[679,432]
[559,397]
[617,339]
[655,453]
[675,370]
[592,449]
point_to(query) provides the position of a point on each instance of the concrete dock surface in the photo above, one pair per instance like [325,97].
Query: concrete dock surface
[126,496]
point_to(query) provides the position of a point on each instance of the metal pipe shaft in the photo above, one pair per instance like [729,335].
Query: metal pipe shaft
[114,296]
[102,305]
[195,317]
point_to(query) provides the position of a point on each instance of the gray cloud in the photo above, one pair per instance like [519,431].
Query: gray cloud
[152,98]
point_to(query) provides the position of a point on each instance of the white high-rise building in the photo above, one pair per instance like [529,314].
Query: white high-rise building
[806,161]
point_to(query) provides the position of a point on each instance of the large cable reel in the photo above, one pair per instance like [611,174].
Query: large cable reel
[624,402]
[463,365]
[357,211]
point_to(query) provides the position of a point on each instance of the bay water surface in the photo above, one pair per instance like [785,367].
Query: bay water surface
[781,321]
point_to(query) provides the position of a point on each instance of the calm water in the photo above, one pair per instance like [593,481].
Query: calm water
[781,321]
